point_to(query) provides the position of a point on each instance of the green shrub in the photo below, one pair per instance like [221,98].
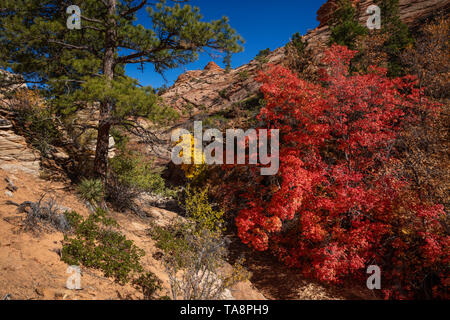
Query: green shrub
[172,240]
[261,57]
[96,244]
[149,284]
[130,175]
[135,171]
[91,190]
[243,75]
[223,93]
[188,109]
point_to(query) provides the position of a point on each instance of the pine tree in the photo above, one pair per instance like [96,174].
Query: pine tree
[398,35]
[345,26]
[76,68]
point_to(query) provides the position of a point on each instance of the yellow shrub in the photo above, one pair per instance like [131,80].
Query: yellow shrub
[192,171]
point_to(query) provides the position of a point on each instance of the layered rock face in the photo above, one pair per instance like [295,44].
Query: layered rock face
[15,155]
[212,88]
[411,11]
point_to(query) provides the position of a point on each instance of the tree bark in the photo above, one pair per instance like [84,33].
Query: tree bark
[105,121]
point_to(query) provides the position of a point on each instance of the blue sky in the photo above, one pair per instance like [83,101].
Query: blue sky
[263,24]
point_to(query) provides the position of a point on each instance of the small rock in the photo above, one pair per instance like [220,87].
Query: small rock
[64,209]
[9,194]
[10,185]
[39,291]
[7,297]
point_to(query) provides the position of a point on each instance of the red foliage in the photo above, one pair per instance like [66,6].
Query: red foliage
[333,209]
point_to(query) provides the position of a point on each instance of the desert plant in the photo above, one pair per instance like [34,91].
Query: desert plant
[223,93]
[91,190]
[97,244]
[149,284]
[121,196]
[397,35]
[198,208]
[298,43]
[188,109]
[131,174]
[134,170]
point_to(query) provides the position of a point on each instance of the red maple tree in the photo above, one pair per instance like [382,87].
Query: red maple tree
[334,208]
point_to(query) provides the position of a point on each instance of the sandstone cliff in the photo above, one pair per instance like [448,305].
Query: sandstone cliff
[212,88]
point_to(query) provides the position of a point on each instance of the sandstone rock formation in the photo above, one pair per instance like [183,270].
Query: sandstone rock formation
[15,155]
[10,81]
[411,11]
[213,89]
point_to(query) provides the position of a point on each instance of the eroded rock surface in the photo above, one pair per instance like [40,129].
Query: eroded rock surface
[15,154]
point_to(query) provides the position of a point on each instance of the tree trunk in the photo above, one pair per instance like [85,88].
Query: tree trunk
[105,121]
[102,149]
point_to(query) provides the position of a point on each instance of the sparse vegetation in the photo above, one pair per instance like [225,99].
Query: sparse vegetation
[43,215]
[36,120]
[132,174]
[261,57]
[223,93]
[397,35]
[148,284]
[195,250]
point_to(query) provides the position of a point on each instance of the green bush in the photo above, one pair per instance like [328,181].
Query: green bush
[91,190]
[261,57]
[149,284]
[188,109]
[243,75]
[130,175]
[135,171]
[96,244]
[223,93]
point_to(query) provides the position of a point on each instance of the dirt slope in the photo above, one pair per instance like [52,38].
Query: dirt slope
[30,263]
